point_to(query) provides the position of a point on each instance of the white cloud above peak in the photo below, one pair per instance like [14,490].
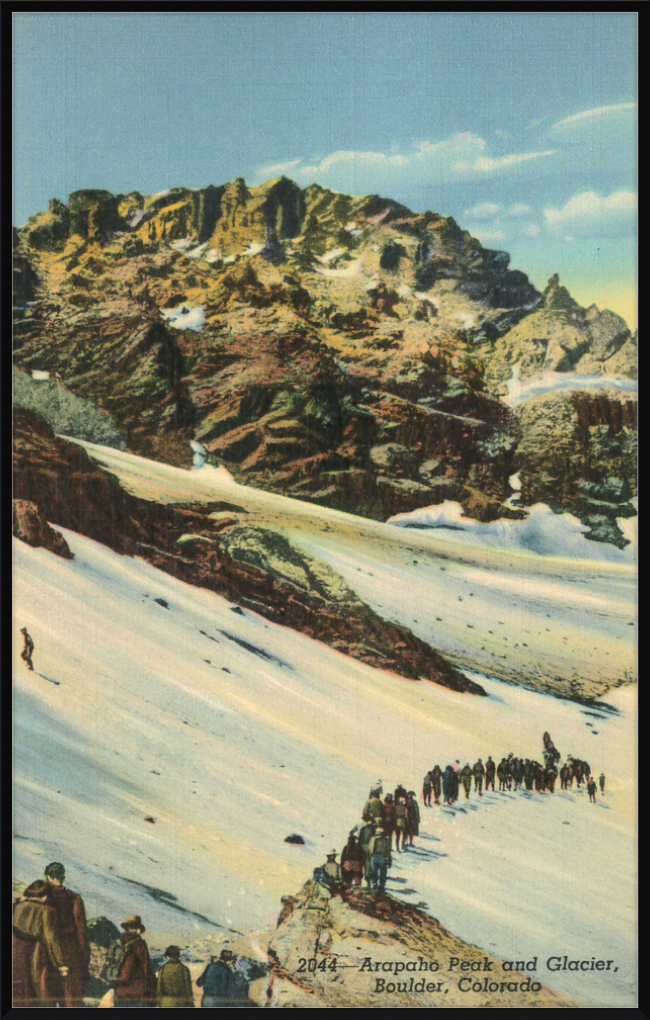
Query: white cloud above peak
[589,214]
[598,111]
[518,209]
[425,163]
[482,211]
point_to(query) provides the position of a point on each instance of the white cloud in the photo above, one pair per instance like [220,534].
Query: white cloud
[487,235]
[598,111]
[462,155]
[533,230]
[519,209]
[482,211]
[279,169]
[490,164]
[589,214]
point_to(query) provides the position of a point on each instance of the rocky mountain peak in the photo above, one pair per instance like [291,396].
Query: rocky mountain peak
[557,297]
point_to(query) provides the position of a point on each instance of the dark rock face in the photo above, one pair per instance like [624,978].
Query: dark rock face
[255,568]
[579,452]
[30,526]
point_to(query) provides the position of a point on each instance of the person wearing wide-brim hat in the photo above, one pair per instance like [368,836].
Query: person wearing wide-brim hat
[380,858]
[38,958]
[135,985]
[331,870]
[174,981]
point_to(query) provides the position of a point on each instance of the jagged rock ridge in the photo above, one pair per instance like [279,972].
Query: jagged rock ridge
[334,348]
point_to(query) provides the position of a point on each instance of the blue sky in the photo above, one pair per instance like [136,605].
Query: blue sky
[521,126]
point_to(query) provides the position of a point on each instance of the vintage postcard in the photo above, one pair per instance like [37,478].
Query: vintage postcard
[325,504]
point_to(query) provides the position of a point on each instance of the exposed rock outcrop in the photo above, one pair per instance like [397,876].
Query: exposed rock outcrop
[30,526]
[347,936]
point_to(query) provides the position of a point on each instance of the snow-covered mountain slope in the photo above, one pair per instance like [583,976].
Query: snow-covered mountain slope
[553,621]
[232,733]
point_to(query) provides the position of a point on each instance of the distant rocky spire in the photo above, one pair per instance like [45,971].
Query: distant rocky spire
[556,296]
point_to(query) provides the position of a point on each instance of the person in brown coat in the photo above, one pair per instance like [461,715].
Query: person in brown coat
[352,861]
[135,985]
[412,816]
[38,960]
[71,922]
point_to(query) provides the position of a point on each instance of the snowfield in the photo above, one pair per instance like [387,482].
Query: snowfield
[231,733]
[507,612]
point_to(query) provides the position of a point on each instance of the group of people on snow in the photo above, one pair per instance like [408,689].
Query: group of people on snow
[510,773]
[367,855]
[51,958]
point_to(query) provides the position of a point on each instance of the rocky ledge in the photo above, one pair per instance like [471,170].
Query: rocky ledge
[366,949]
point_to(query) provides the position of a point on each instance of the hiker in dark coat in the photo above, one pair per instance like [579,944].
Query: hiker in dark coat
[135,985]
[28,650]
[591,790]
[454,784]
[38,961]
[217,981]
[400,791]
[174,981]
[489,774]
[352,861]
[466,779]
[601,781]
[412,816]
[388,815]
[446,784]
[519,773]
[436,780]
[479,772]
[71,921]
[538,777]
[427,786]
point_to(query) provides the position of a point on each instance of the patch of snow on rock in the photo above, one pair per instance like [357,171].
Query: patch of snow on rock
[521,390]
[185,317]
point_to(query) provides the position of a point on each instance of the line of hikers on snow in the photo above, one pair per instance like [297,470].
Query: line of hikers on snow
[368,851]
[510,773]
[51,958]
